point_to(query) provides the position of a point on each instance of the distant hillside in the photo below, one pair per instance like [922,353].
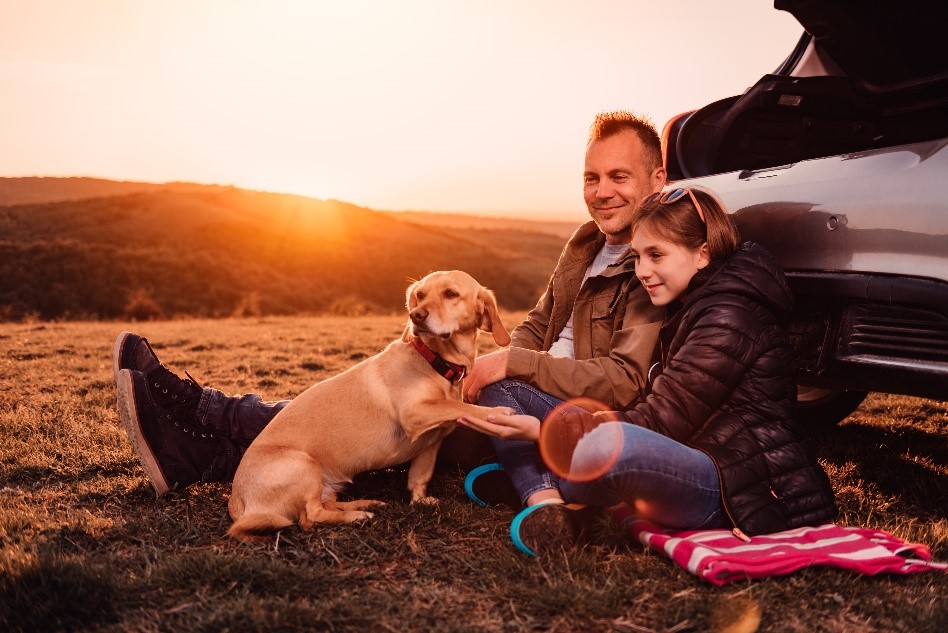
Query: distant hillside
[36,190]
[215,251]
[560,228]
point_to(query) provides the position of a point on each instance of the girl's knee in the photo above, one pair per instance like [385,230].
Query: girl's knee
[597,451]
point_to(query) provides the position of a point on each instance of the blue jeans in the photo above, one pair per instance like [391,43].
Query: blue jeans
[663,480]
[238,420]
[520,458]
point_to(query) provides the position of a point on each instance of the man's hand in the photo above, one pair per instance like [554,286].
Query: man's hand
[488,369]
[508,427]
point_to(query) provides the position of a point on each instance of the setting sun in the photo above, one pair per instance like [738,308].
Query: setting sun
[413,105]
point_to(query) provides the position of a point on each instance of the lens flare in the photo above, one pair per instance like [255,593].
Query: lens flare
[562,429]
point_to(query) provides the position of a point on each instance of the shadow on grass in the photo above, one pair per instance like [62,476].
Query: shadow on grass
[53,594]
[908,464]
[42,476]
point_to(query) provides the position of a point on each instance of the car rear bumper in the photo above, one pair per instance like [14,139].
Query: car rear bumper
[871,332]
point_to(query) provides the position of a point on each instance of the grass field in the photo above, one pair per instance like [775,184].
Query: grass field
[85,546]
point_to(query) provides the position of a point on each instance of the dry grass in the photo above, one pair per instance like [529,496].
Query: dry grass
[84,545]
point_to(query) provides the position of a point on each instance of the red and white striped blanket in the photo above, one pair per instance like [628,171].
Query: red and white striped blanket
[719,557]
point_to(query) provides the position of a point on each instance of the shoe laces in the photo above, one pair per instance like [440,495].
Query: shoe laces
[180,396]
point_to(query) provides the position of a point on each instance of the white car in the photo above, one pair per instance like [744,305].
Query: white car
[838,163]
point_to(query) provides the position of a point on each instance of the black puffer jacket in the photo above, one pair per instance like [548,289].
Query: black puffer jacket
[727,389]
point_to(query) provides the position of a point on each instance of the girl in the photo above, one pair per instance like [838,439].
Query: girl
[714,442]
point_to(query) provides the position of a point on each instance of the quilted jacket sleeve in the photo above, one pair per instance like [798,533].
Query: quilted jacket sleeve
[712,354]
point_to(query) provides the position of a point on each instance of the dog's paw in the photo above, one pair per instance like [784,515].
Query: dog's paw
[357,516]
[428,501]
[504,410]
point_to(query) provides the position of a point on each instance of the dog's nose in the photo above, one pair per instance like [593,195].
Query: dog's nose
[418,315]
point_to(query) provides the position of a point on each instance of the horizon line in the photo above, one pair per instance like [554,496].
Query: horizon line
[551,215]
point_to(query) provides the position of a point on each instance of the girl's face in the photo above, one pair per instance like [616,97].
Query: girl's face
[664,267]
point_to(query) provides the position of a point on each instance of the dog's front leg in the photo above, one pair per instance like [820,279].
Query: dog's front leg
[431,415]
[419,474]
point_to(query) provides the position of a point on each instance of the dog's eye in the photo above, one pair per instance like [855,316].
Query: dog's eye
[420,295]
[450,294]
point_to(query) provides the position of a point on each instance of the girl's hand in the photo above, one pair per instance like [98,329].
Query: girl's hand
[508,427]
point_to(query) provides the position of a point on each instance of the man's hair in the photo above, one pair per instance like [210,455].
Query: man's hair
[609,124]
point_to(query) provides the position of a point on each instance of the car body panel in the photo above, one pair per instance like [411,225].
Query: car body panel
[837,162]
[863,238]
[838,213]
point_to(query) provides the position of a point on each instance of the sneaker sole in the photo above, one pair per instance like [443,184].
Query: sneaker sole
[128,412]
[516,525]
[117,355]
[515,530]
[472,477]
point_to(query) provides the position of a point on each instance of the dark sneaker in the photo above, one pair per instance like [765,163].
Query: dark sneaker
[489,485]
[179,397]
[159,414]
[133,352]
[550,527]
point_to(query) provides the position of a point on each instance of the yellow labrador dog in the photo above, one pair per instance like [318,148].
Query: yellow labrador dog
[391,408]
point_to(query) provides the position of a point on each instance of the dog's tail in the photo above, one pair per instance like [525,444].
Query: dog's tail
[255,527]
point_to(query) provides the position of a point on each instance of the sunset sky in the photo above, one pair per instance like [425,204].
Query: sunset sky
[477,106]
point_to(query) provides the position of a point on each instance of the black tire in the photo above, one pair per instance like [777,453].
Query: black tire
[822,408]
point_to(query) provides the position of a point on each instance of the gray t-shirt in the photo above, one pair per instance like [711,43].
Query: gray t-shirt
[608,254]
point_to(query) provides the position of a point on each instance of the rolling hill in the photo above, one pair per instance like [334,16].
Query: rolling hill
[39,190]
[91,248]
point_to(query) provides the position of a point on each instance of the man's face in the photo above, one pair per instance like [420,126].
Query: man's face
[616,179]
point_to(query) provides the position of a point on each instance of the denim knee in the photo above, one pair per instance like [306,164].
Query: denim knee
[520,396]
[598,450]
[520,458]
[495,395]
[620,462]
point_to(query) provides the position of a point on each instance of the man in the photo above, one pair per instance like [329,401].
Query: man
[592,333]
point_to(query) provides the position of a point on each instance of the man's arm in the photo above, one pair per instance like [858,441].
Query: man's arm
[617,380]
[531,333]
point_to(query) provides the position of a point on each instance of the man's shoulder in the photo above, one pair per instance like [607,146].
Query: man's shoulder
[587,232]
[583,244]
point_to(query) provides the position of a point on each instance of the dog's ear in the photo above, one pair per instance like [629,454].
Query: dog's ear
[490,317]
[410,303]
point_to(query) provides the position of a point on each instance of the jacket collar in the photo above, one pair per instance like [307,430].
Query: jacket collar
[583,246]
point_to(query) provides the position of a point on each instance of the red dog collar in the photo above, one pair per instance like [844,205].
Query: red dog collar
[453,372]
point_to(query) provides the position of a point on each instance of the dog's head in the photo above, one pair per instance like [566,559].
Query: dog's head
[445,303]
